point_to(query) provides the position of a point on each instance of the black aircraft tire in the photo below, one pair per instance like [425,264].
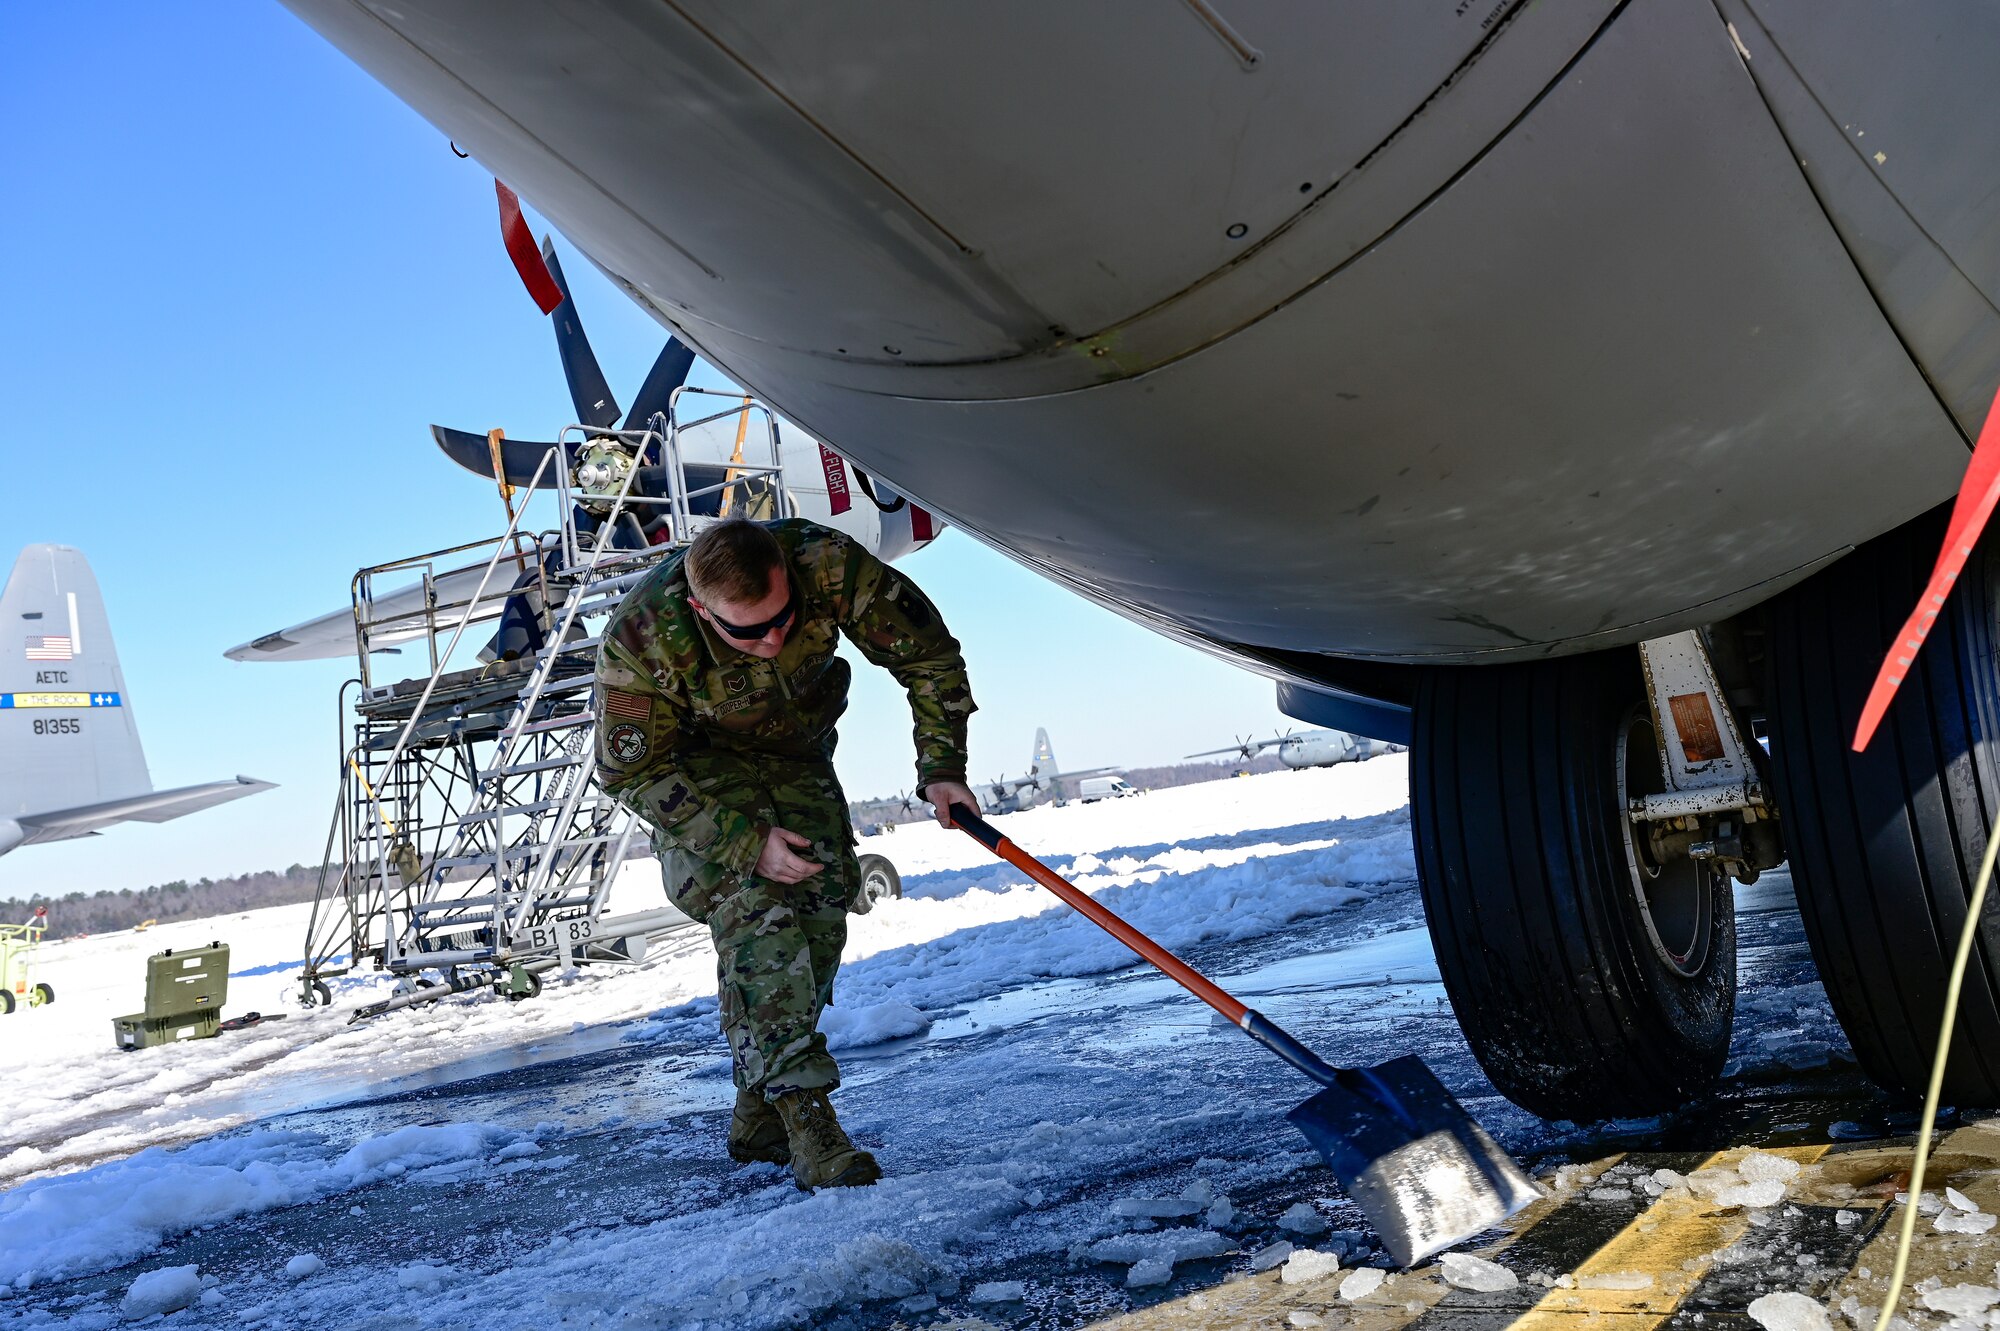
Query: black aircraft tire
[1554,967]
[879,882]
[6,1001]
[1885,845]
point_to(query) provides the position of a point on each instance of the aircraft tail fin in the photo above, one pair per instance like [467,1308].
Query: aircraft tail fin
[66,726]
[1045,755]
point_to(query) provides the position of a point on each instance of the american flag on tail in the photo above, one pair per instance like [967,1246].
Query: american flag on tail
[50,647]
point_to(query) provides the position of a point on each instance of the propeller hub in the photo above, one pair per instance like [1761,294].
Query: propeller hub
[601,469]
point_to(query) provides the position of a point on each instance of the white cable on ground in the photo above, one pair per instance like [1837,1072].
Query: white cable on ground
[1929,1120]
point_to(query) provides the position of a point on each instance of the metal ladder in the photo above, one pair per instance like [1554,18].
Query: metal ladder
[480,847]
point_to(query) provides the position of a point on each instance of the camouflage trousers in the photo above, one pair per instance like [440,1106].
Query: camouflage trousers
[777,945]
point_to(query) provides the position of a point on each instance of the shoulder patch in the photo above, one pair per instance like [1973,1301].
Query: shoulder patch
[626,742]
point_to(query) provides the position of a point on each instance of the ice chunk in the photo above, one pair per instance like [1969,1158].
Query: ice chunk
[1964,1222]
[855,1027]
[303,1265]
[1303,1318]
[1667,1178]
[1201,1192]
[1708,1182]
[1962,1300]
[166,1290]
[1960,1200]
[423,1276]
[1788,1310]
[1845,1218]
[1169,1245]
[1219,1214]
[1302,1220]
[1272,1255]
[1465,1271]
[999,1291]
[516,1150]
[1610,1194]
[1156,1208]
[1761,1167]
[1764,1192]
[1151,1271]
[1616,1280]
[1359,1284]
[1306,1264]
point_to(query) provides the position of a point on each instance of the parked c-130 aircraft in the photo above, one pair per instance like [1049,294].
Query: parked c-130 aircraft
[70,761]
[1310,748]
[1566,390]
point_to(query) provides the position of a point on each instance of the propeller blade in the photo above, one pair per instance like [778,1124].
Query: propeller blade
[669,372]
[520,244]
[519,456]
[588,389]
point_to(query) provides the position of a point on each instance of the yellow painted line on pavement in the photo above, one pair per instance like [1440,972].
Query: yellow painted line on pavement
[1971,1156]
[1674,1241]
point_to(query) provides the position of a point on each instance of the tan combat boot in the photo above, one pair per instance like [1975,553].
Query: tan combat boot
[756,1133]
[822,1155]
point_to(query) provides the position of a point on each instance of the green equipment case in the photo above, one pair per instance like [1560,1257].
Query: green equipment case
[185,991]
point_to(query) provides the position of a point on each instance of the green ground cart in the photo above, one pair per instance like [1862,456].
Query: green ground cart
[18,943]
[185,990]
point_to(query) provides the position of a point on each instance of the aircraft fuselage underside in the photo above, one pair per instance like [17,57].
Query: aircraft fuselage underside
[1382,333]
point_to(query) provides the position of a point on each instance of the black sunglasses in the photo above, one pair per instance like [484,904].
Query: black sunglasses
[752,632]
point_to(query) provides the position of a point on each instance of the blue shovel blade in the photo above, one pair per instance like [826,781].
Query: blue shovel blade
[1426,1176]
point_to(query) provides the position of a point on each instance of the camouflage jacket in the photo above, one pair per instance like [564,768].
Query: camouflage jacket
[670,689]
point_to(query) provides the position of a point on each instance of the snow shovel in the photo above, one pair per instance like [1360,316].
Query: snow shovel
[1426,1176]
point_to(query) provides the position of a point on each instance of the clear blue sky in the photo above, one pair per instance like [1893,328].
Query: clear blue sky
[242,280]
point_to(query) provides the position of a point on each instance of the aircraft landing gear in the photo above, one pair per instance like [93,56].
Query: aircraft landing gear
[879,882]
[1590,962]
[1886,844]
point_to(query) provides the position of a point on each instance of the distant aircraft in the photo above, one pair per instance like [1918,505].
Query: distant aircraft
[1310,748]
[70,761]
[1013,794]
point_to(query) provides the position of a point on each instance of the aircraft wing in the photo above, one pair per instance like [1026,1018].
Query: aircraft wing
[156,806]
[398,617]
[1256,745]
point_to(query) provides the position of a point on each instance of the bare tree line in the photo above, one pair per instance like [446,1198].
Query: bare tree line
[80,913]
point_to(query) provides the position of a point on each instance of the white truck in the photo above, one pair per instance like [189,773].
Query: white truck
[1094,788]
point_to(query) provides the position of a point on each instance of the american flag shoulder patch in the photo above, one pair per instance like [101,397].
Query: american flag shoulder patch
[625,706]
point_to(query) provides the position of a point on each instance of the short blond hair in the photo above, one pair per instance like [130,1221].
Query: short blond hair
[732,561]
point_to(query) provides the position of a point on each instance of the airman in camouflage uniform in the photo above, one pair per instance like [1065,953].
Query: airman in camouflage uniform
[725,746]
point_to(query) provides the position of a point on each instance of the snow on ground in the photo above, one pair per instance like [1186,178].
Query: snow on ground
[1063,1131]
[95,1144]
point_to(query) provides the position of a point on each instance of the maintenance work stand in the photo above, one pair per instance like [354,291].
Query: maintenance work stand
[471,845]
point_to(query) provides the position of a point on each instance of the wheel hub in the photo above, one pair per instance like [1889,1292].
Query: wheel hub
[1674,894]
